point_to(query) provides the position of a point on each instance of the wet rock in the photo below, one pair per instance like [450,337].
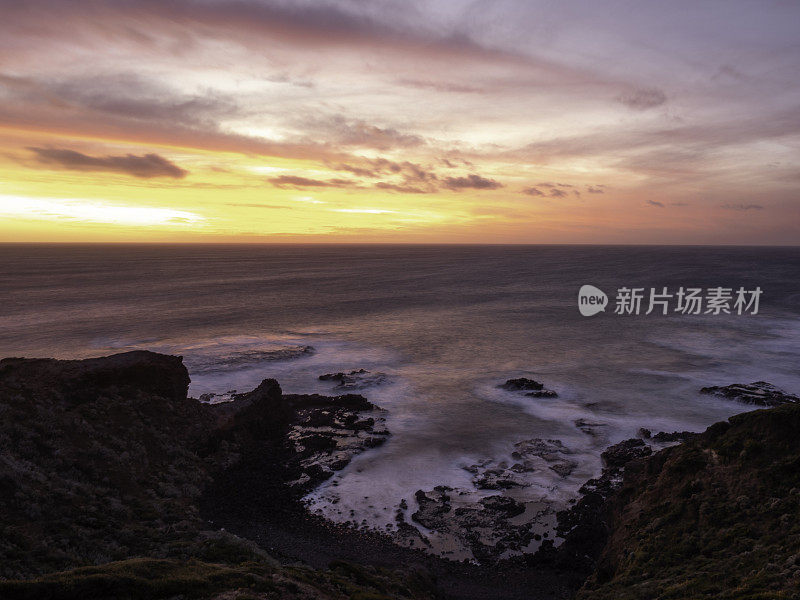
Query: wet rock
[433,506]
[355,380]
[503,505]
[486,526]
[758,393]
[521,383]
[530,456]
[542,394]
[565,468]
[327,432]
[676,436]
[621,454]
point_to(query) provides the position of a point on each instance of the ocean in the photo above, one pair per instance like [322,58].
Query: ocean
[444,325]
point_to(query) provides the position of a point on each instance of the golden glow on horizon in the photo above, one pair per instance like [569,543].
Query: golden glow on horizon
[93,211]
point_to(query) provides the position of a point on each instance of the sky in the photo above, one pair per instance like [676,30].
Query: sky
[398,121]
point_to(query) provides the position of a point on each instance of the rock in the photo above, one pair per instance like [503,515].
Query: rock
[531,456]
[432,508]
[355,380]
[521,383]
[504,504]
[643,433]
[542,394]
[565,468]
[485,526]
[675,436]
[138,372]
[758,393]
[621,454]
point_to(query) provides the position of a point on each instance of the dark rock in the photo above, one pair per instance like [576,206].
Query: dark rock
[542,394]
[565,468]
[621,454]
[355,380]
[759,393]
[521,383]
[137,372]
[484,526]
[675,436]
[504,504]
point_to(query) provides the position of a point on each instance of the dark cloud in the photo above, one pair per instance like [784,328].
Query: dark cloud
[655,203]
[550,189]
[533,191]
[595,189]
[471,181]
[643,98]
[394,187]
[742,206]
[138,98]
[302,182]
[145,166]
[382,166]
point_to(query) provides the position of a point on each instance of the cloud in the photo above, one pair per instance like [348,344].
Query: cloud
[643,98]
[301,182]
[552,190]
[341,131]
[595,189]
[471,181]
[533,191]
[655,203]
[442,86]
[145,166]
[728,206]
[394,187]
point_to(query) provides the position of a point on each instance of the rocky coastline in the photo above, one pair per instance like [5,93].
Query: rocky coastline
[113,479]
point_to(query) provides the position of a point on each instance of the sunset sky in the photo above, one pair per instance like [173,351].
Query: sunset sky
[400,121]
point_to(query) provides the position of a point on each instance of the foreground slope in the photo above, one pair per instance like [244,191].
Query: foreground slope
[715,517]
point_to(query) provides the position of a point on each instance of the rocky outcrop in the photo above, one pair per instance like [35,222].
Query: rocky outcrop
[355,380]
[710,517]
[759,393]
[521,384]
[139,372]
[534,388]
[714,515]
[618,455]
[107,459]
[486,526]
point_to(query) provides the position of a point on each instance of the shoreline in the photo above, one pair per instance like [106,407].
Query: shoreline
[224,483]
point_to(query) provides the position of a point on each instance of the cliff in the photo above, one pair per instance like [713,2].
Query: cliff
[106,468]
[715,517]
